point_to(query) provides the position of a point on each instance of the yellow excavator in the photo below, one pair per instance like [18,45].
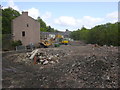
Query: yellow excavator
[46,43]
[58,39]
[61,40]
[64,41]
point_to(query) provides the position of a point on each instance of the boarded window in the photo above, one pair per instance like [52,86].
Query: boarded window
[23,33]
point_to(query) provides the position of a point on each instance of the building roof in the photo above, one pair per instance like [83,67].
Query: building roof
[27,15]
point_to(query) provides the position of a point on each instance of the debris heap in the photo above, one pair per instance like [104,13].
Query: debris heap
[43,58]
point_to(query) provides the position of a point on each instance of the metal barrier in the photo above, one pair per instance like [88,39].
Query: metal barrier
[20,48]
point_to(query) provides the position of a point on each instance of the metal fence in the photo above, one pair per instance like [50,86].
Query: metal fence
[20,48]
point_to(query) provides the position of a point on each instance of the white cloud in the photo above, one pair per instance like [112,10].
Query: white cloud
[47,15]
[87,21]
[92,19]
[66,21]
[112,17]
[12,5]
[33,12]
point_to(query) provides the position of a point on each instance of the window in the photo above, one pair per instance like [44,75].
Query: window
[23,33]
[27,25]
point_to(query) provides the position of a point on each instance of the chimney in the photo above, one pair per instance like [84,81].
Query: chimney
[25,13]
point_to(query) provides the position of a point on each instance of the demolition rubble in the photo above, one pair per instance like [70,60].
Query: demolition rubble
[67,66]
[43,58]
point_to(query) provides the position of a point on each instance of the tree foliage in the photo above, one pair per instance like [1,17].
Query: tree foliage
[44,27]
[101,34]
[80,34]
[8,15]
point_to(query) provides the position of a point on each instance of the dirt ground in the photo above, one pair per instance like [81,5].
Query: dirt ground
[78,66]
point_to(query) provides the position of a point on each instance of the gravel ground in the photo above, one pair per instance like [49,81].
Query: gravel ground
[80,66]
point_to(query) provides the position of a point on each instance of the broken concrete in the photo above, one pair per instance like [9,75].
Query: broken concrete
[33,53]
[77,67]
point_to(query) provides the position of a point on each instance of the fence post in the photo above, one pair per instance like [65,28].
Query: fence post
[16,48]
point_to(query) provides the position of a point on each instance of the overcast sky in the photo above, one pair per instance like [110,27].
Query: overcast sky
[68,15]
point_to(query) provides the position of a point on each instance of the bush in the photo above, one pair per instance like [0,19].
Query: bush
[16,43]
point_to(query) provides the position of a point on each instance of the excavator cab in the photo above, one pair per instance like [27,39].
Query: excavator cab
[61,40]
[64,41]
[45,43]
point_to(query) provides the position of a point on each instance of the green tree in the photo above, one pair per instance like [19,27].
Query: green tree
[8,15]
[49,28]
[44,27]
[100,34]
[42,23]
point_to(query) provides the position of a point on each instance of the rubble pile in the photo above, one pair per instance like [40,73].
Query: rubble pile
[97,71]
[87,66]
[18,57]
[39,56]
[45,57]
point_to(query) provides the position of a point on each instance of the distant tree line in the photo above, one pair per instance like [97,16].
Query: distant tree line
[106,34]
[9,14]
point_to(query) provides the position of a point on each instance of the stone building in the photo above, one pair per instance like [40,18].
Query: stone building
[26,29]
